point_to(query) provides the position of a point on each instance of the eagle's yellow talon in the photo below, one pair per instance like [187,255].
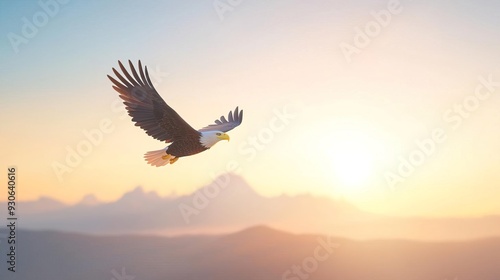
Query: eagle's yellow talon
[165,157]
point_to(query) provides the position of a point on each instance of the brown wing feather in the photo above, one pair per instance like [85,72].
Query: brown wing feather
[146,107]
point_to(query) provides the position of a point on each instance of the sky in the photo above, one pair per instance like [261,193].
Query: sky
[391,105]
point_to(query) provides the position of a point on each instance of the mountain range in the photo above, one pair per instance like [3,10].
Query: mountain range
[229,204]
[255,253]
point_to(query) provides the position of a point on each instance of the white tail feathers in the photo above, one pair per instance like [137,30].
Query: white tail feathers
[159,158]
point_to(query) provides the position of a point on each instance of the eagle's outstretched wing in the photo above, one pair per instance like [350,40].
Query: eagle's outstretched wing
[146,107]
[233,120]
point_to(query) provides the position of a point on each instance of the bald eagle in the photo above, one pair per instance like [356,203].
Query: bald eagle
[151,113]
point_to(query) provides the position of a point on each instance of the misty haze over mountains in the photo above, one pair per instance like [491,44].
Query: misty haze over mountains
[122,240]
[255,253]
[236,206]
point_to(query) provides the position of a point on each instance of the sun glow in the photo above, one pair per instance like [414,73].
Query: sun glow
[352,165]
[351,160]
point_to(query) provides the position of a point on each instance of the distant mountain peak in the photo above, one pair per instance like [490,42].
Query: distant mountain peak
[89,200]
[138,194]
[233,183]
[47,199]
[42,204]
[257,229]
[138,189]
[257,232]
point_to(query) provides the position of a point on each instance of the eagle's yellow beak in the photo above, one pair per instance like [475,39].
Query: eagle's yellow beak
[223,136]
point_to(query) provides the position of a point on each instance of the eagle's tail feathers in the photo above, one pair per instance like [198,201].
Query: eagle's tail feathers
[159,157]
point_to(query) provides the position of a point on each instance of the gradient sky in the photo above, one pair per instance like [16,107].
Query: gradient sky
[352,121]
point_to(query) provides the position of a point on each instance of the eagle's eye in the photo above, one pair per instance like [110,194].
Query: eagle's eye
[218,134]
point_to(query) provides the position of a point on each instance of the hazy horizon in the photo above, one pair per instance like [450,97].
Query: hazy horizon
[230,204]
[143,190]
[255,253]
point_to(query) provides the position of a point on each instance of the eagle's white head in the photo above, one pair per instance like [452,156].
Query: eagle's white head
[210,138]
